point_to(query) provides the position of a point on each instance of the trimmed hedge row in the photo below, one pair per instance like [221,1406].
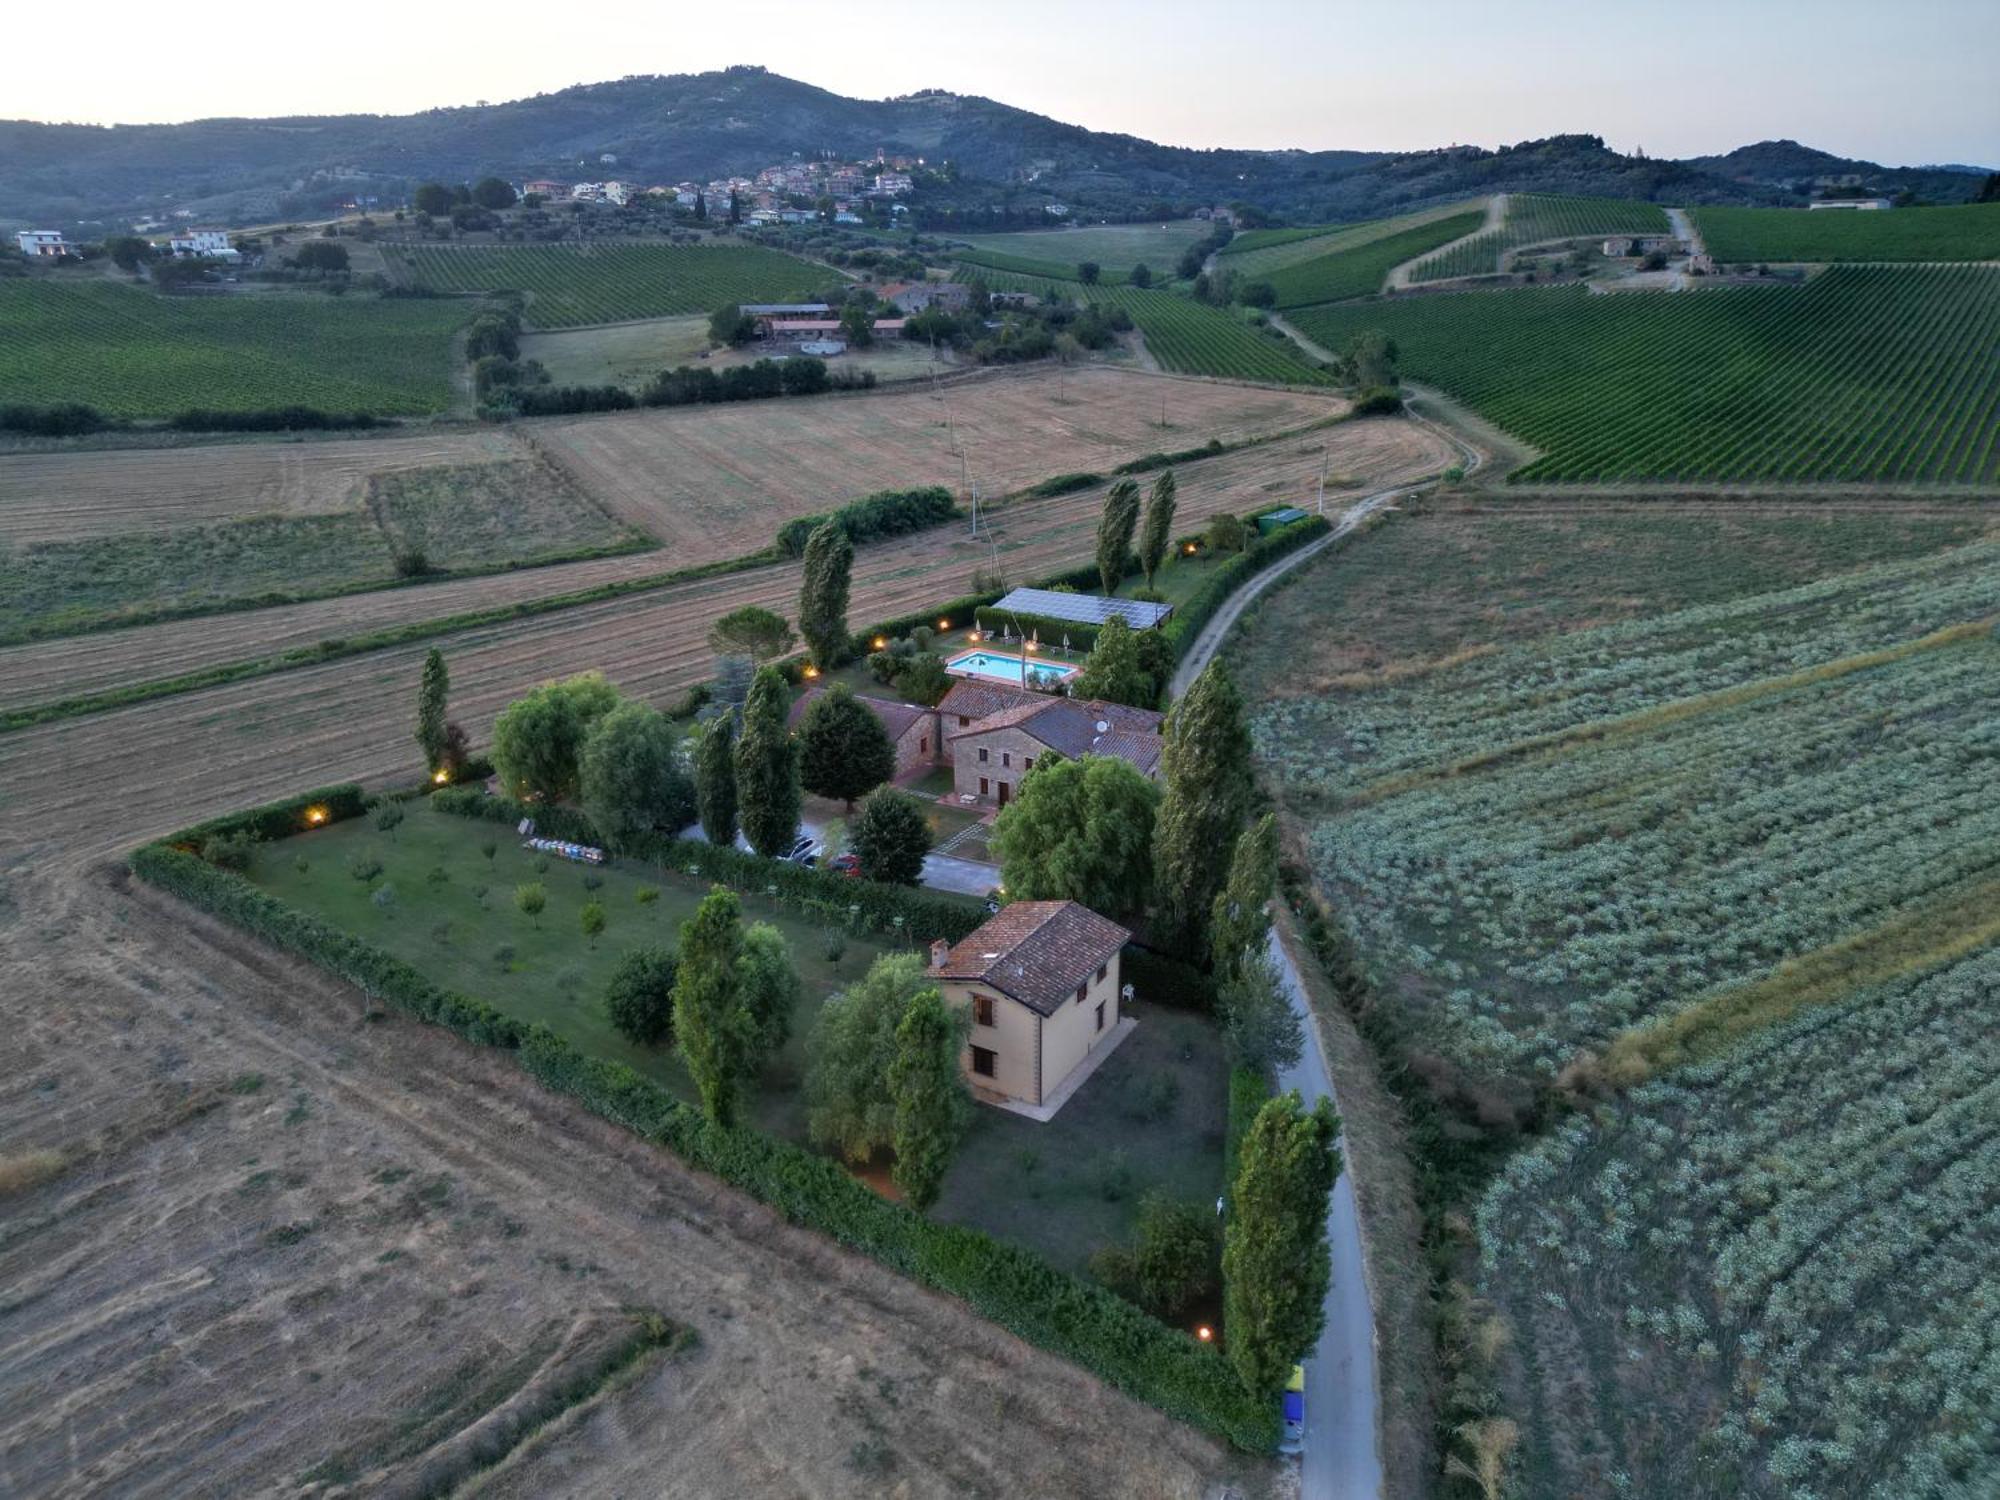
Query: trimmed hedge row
[1199,609]
[884,513]
[925,914]
[1147,462]
[1012,1287]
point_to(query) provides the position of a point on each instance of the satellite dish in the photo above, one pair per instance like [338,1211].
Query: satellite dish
[1103,726]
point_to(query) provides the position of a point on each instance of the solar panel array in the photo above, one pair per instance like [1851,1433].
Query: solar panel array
[1085,609]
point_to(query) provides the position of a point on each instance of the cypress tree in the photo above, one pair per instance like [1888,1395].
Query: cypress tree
[1241,918]
[1205,763]
[1275,1264]
[717,1036]
[431,696]
[829,565]
[1159,533]
[715,779]
[1114,533]
[929,1097]
[767,767]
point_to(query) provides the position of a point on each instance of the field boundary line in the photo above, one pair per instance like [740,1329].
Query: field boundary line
[1965,920]
[1679,710]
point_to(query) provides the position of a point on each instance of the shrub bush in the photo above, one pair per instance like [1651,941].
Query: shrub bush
[1064,484]
[884,513]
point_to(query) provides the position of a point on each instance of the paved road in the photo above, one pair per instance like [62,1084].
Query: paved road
[1340,1461]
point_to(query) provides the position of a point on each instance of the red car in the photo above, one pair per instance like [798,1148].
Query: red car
[846,864]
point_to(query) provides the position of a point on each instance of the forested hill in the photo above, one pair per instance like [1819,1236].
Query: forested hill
[699,125]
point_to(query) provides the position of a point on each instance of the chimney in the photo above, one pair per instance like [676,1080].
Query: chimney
[940,951]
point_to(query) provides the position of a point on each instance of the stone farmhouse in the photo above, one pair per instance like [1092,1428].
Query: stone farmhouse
[1041,981]
[991,735]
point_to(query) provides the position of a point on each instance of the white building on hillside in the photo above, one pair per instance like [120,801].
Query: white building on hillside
[208,244]
[40,244]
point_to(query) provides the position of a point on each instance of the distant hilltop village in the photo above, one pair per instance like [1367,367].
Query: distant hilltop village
[784,193]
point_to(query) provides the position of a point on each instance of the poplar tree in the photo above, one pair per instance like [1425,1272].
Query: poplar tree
[1159,533]
[1205,763]
[1241,919]
[829,566]
[718,1038]
[715,779]
[431,696]
[1114,533]
[929,1096]
[767,767]
[1275,1264]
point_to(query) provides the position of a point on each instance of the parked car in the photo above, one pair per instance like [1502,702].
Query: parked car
[805,850]
[1293,1437]
[846,864]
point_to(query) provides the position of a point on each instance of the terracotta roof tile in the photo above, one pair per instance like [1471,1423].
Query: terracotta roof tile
[1036,951]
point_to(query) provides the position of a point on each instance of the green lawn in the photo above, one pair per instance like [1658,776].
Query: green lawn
[1064,1171]
[550,974]
[1116,247]
[1152,1117]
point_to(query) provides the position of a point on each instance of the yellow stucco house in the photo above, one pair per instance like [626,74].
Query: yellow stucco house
[1042,984]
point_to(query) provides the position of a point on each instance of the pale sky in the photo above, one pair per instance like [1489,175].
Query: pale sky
[1896,81]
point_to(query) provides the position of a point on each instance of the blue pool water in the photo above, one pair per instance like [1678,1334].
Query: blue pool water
[1001,666]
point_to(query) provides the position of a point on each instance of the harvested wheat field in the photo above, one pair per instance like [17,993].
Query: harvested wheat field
[67,496]
[653,641]
[693,474]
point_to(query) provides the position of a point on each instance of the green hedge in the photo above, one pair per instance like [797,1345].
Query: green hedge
[1010,1286]
[1064,484]
[1199,609]
[925,914]
[1247,1093]
[1166,981]
[884,513]
[278,820]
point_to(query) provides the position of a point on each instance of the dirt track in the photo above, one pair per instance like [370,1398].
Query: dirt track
[653,641]
[342,1265]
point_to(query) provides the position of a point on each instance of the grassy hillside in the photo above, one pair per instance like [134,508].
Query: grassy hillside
[1864,373]
[1535,217]
[132,353]
[1115,247]
[1360,269]
[1185,336]
[1968,231]
[570,285]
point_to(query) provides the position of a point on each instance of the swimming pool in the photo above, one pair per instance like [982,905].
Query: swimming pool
[1005,666]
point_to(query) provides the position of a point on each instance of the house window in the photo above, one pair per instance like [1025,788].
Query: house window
[982,1061]
[982,755]
[1082,990]
[1006,757]
[982,1010]
[1028,764]
[963,721]
[923,744]
[982,786]
[1100,1015]
[1102,970]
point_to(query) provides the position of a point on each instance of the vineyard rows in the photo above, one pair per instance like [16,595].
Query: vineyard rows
[1969,231]
[1546,903]
[1185,336]
[573,285]
[1780,1268]
[135,353]
[1863,374]
[1256,253]
[1360,270]
[1533,218]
